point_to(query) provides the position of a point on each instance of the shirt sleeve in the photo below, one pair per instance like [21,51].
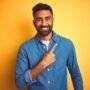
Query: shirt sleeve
[23,73]
[74,69]
[28,77]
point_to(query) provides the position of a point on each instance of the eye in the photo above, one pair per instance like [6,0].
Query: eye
[38,19]
[48,18]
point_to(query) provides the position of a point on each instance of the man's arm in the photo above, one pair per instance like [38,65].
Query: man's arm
[74,69]
[26,76]
[46,60]
[22,67]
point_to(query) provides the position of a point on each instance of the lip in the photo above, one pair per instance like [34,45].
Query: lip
[44,28]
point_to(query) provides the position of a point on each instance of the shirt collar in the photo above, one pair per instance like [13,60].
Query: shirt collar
[54,37]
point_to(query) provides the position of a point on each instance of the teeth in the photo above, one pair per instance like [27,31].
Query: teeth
[45,28]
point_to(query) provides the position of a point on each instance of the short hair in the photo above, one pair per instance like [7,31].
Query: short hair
[41,6]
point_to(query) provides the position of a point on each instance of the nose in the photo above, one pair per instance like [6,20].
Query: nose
[44,23]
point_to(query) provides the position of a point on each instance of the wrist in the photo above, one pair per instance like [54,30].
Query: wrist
[43,65]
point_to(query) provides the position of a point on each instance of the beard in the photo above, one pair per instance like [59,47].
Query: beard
[44,30]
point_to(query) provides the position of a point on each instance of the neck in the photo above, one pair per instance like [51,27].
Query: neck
[46,38]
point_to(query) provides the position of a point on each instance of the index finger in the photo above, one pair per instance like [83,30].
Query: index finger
[53,48]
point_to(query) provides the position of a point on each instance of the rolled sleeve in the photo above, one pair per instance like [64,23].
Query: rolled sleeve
[28,77]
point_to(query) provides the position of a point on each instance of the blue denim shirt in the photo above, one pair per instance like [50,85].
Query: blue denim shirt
[54,77]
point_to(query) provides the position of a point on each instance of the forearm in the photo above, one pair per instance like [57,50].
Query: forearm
[47,59]
[37,70]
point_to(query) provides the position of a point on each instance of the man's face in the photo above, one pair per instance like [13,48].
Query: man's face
[43,22]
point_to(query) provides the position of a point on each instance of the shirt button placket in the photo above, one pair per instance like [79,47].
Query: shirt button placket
[49,82]
[48,69]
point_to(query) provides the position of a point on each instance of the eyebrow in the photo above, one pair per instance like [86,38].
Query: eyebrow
[41,17]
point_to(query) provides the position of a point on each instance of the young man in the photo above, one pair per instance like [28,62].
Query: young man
[42,62]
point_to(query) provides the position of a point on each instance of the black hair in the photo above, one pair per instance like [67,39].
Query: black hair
[41,6]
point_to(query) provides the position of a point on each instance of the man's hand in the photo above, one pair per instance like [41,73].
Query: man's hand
[49,57]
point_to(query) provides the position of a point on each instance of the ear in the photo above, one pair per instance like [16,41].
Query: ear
[33,22]
[53,18]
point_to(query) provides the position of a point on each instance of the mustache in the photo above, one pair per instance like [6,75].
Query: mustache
[44,26]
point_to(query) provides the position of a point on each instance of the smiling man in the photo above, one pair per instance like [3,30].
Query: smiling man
[42,61]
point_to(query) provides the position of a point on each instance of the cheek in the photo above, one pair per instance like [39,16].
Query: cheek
[50,23]
[37,24]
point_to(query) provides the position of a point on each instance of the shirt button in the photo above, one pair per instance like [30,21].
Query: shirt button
[48,69]
[44,47]
[48,82]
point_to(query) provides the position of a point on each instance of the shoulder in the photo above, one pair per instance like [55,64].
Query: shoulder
[65,42]
[64,39]
[28,43]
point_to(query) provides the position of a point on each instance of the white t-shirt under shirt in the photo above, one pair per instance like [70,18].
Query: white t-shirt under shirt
[46,43]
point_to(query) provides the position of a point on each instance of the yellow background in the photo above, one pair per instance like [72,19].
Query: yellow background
[71,19]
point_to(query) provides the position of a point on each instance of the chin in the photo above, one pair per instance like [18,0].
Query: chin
[45,33]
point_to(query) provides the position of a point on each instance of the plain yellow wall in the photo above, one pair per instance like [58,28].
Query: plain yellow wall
[71,19]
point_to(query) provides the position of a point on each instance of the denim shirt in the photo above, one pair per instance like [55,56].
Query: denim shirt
[54,77]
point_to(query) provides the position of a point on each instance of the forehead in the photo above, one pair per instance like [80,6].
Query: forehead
[43,13]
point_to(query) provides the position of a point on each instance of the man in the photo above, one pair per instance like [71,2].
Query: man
[42,61]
